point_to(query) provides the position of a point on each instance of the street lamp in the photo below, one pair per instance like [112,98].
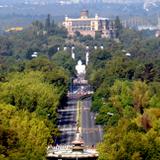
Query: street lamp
[73,55]
[73,48]
[87,47]
[95,47]
[101,47]
[87,58]
[34,55]
[72,52]
[128,54]
[65,48]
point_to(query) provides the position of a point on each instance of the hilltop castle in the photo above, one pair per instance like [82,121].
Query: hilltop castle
[89,26]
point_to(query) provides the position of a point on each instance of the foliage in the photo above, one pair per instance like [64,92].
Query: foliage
[126,98]
[125,77]
[99,58]
[129,140]
[28,91]
[23,135]
[118,27]
[64,59]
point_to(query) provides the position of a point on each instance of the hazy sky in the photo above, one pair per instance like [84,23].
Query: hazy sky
[21,1]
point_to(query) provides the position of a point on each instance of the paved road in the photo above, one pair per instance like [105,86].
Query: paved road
[92,134]
[67,122]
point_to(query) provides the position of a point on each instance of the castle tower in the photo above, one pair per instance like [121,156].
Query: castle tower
[84,14]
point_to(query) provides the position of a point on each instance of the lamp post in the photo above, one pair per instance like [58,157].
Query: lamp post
[65,48]
[58,49]
[72,52]
[128,54]
[87,47]
[87,54]
[87,58]
[102,47]
[95,47]
[73,48]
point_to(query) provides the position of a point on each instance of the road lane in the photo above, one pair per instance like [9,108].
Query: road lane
[92,133]
[67,122]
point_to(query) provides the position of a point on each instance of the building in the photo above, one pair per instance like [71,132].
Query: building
[89,26]
[157,35]
[14,29]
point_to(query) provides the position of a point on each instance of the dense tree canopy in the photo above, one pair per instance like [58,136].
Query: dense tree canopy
[31,90]
[23,135]
[28,91]
[64,59]
[125,78]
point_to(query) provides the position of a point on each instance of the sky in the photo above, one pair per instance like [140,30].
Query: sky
[115,1]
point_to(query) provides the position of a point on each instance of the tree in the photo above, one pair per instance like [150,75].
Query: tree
[38,25]
[98,59]
[129,37]
[64,60]
[48,23]
[120,95]
[96,78]
[53,43]
[98,35]
[118,27]
[119,67]
[5,46]
[141,96]
[23,135]
[129,141]
[28,91]
[145,72]
[40,63]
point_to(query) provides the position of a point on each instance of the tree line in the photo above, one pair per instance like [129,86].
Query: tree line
[126,81]
[126,89]
[32,89]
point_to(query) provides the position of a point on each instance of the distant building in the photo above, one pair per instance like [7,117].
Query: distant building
[157,34]
[14,29]
[89,26]
[34,55]
[158,28]
[147,27]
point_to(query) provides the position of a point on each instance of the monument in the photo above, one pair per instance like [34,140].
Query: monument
[80,68]
[76,151]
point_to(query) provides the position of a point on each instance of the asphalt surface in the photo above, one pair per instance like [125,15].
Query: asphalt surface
[91,133]
[67,122]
